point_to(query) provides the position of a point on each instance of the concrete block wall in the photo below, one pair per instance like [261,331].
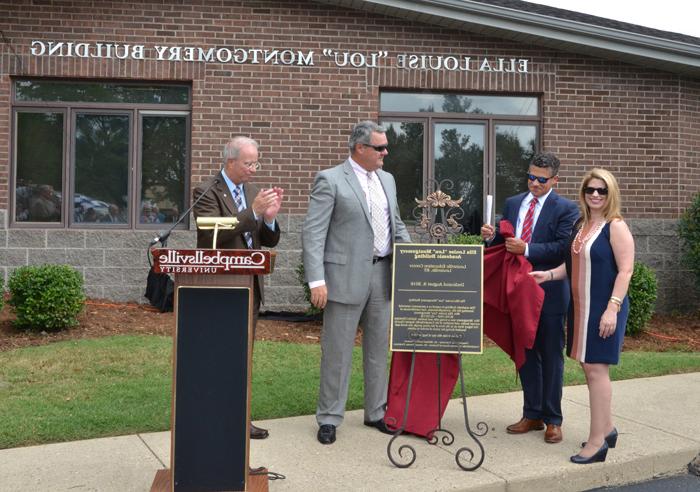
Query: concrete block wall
[114,263]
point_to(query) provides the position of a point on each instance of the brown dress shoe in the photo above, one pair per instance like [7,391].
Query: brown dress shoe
[553,434]
[525,425]
[258,433]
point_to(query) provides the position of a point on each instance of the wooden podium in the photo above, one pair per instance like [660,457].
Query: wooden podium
[212,352]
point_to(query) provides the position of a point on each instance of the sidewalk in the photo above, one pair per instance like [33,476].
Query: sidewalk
[658,420]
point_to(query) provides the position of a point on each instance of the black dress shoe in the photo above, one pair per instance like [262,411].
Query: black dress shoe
[326,434]
[599,456]
[381,425]
[258,433]
[611,439]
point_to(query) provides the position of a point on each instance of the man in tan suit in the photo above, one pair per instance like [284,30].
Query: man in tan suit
[230,194]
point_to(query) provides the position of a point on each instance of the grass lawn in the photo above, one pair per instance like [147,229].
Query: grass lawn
[122,385]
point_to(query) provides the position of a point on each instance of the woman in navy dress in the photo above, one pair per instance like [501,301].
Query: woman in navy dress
[599,264]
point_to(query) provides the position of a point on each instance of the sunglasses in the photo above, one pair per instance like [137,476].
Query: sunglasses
[589,190]
[540,179]
[378,148]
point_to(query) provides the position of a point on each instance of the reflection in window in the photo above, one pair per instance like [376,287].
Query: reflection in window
[101,167]
[99,92]
[515,148]
[39,153]
[407,102]
[405,162]
[82,170]
[459,157]
[163,168]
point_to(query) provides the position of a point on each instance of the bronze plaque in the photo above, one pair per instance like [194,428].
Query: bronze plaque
[436,301]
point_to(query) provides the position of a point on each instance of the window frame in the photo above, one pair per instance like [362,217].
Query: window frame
[138,171]
[135,111]
[489,120]
[12,205]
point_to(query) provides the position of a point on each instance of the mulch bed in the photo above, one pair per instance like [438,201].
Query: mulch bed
[105,318]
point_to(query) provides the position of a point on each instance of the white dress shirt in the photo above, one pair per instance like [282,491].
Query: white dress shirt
[524,206]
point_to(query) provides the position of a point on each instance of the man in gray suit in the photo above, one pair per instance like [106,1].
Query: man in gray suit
[348,235]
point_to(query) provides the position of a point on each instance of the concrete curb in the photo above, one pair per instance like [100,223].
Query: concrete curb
[656,417]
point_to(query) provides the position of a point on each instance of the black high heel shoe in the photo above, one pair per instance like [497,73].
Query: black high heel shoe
[611,439]
[599,456]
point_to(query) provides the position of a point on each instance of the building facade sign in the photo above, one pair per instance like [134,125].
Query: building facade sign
[275,56]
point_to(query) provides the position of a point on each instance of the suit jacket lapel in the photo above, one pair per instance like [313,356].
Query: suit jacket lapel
[545,214]
[250,192]
[384,180]
[513,218]
[351,178]
[222,189]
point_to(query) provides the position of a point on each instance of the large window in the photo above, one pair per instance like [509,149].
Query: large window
[118,153]
[482,144]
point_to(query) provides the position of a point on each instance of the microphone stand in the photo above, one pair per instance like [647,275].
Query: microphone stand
[163,238]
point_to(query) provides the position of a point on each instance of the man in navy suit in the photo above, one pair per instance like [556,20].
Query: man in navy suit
[543,221]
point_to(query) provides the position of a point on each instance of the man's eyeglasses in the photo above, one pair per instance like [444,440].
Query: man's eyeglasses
[378,148]
[589,190]
[252,165]
[540,179]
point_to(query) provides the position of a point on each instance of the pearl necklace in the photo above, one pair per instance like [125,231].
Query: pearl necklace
[580,242]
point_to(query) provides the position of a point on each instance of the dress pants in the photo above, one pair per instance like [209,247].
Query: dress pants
[340,322]
[542,375]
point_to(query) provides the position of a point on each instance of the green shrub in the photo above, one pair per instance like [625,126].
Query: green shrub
[465,239]
[46,297]
[311,310]
[642,294]
[689,231]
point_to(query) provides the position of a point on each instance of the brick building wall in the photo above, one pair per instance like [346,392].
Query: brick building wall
[642,124]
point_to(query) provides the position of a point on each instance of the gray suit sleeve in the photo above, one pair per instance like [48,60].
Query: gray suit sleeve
[315,229]
[401,235]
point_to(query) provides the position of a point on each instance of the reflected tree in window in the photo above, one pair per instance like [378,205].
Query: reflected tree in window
[454,103]
[405,162]
[515,148]
[99,92]
[101,165]
[38,187]
[459,156]
[163,168]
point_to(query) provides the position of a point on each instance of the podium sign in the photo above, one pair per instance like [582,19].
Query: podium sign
[212,261]
[437,298]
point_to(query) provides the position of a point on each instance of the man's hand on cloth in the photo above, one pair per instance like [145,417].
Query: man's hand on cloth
[515,246]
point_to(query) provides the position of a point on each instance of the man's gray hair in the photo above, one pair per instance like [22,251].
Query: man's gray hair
[233,147]
[362,132]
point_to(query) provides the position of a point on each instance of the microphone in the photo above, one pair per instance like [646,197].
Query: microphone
[163,237]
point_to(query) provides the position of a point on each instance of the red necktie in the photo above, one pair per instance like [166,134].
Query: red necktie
[526,235]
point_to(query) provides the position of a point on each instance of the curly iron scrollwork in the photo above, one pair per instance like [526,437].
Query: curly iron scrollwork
[438,216]
[482,429]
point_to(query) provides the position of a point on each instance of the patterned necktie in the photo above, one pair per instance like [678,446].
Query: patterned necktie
[379,225]
[239,203]
[526,235]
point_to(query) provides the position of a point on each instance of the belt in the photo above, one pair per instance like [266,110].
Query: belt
[380,258]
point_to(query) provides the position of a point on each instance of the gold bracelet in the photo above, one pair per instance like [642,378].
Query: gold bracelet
[616,300]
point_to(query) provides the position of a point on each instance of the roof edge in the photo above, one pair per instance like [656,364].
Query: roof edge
[671,53]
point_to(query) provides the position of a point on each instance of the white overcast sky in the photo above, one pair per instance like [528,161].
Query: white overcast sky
[680,16]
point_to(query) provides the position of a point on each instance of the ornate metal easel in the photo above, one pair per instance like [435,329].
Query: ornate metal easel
[438,217]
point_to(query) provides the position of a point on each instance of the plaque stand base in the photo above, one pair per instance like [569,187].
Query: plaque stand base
[161,482]
[448,438]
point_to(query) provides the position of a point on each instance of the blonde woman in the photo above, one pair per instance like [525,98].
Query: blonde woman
[599,264]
